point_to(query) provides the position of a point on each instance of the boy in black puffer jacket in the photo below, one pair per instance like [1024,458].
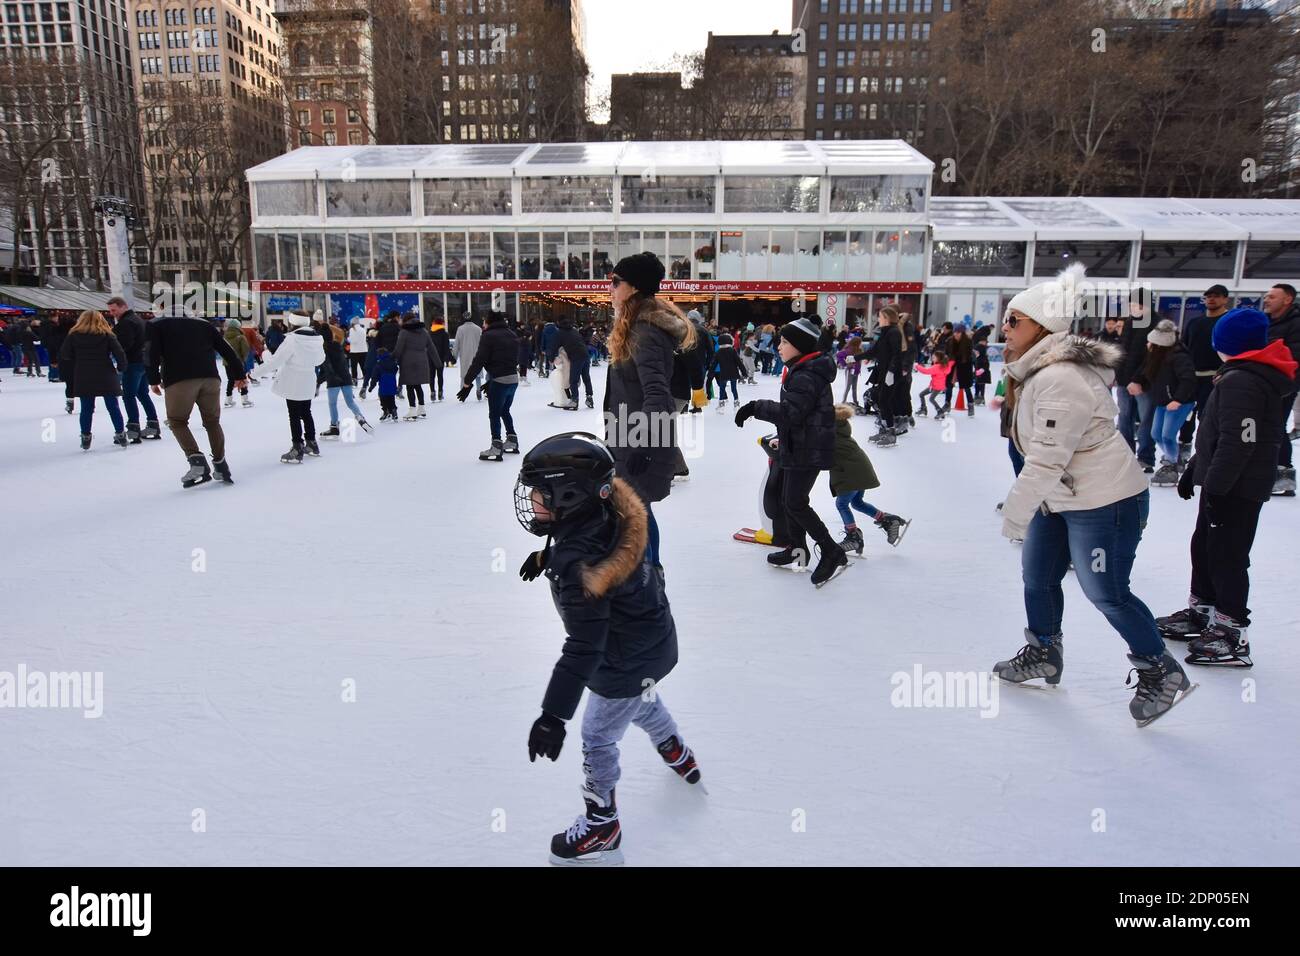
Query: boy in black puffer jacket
[498,354]
[1235,464]
[805,425]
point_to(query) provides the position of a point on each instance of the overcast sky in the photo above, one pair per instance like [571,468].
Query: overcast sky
[625,37]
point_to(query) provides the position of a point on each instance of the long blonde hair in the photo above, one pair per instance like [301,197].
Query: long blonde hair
[92,323]
[620,348]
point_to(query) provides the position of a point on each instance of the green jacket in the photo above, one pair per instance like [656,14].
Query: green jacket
[852,469]
[238,342]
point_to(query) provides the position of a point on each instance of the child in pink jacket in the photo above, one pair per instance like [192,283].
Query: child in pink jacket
[938,373]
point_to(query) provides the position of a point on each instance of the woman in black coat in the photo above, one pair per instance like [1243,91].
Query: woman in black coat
[87,358]
[640,411]
[417,358]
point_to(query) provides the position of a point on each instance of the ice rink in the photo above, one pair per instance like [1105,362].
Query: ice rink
[233,627]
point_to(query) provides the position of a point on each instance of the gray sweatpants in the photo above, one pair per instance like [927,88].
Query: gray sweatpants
[604,723]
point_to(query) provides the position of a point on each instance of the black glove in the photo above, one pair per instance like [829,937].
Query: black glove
[744,413]
[463,393]
[534,564]
[546,738]
[1187,482]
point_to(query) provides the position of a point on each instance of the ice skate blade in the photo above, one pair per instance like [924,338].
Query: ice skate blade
[1182,695]
[603,858]
[834,574]
[1208,662]
[195,484]
[902,532]
[1028,686]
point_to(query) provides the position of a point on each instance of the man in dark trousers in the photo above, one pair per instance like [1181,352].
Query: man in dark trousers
[1284,324]
[179,359]
[130,331]
[1197,339]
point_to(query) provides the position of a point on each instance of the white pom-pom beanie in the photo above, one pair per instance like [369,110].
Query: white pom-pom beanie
[1053,304]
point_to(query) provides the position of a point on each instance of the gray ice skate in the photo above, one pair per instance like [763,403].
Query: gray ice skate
[1161,683]
[1035,660]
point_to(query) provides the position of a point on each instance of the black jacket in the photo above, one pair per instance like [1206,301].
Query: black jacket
[640,410]
[619,630]
[1198,340]
[130,331]
[805,415]
[55,334]
[334,371]
[441,342]
[887,351]
[569,339]
[498,354]
[1175,381]
[181,348]
[1287,329]
[1240,429]
[86,360]
[728,363]
[386,336]
[1133,340]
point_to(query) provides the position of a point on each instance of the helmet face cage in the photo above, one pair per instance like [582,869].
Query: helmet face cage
[526,512]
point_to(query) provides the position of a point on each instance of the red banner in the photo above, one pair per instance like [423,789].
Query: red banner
[668,286]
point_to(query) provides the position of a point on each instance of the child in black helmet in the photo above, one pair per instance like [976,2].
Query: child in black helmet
[620,636]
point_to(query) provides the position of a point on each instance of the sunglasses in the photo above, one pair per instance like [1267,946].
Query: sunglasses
[1011,321]
[615,282]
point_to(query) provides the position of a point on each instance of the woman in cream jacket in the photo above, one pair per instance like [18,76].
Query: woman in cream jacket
[1081,496]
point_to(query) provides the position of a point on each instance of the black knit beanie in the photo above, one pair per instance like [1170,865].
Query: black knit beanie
[802,334]
[643,271]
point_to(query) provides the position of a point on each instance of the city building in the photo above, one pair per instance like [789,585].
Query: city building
[650,106]
[327,65]
[755,86]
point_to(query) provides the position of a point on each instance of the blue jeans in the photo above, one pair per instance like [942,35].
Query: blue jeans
[1102,543]
[604,723]
[1135,413]
[500,398]
[1017,459]
[332,393]
[1165,425]
[135,392]
[853,499]
[88,413]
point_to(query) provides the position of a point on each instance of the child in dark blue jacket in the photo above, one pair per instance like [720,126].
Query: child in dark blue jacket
[385,371]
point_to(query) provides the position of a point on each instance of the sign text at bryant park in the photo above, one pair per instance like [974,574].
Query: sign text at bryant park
[590,286]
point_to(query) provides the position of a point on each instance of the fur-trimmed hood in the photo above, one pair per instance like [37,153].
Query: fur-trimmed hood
[603,576]
[844,413]
[1065,347]
[661,315]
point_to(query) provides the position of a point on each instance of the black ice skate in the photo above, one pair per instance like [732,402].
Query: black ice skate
[1166,476]
[1035,660]
[790,559]
[894,527]
[365,426]
[311,448]
[1161,683]
[1186,624]
[494,453]
[1222,643]
[852,543]
[511,445]
[120,440]
[331,432]
[1284,484]
[680,758]
[198,474]
[67,406]
[830,565]
[294,455]
[222,470]
[151,431]
[133,433]
[85,442]
[593,839]
[591,403]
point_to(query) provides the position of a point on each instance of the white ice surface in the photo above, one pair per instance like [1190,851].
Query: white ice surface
[378,563]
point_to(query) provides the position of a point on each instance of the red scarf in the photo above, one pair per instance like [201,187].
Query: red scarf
[786,371]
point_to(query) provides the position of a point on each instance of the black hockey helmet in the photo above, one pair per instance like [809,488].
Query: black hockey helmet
[574,473]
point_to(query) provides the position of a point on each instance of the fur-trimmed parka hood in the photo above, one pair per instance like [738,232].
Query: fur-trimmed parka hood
[607,573]
[661,315]
[844,413]
[1065,347]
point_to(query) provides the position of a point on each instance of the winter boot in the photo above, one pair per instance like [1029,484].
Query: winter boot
[67,406]
[1187,624]
[1223,642]
[294,455]
[120,439]
[593,838]
[494,453]
[680,758]
[133,433]
[151,431]
[198,473]
[1284,485]
[893,526]
[1040,657]
[852,542]
[1161,683]
[85,441]
[789,559]
[222,470]
[830,565]
[229,402]
[1166,475]
[311,448]
[331,432]
[511,445]
[245,401]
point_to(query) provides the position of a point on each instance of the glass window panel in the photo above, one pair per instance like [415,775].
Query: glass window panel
[808,255]
[668,194]
[705,252]
[433,306]
[289,255]
[297,198]
[1103,259]
[877,194]
[457,263]
[1272,260]
[408,256]
[553,255]
[568,194]
[1188,260]
[833,250]
[730,249]
[629,243]
[264,250]
[771,193]
[431,255]
[679,255]
[884,255]
[368,197]
[911,255]
[756,241]
[456,308]
[656,242]
[782,258]
[336,254]
[359,255]
[530,247]
[602,257]
[578,248]
[977,259]
[503,255]
[859,255]
[480,255]
[467,197]
[383,246]
[313,256]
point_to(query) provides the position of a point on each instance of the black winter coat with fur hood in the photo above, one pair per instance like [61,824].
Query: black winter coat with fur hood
[805,415]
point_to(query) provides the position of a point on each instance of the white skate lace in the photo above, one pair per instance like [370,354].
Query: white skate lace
[578,830]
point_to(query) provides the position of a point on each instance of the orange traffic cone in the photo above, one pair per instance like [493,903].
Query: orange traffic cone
[961,400]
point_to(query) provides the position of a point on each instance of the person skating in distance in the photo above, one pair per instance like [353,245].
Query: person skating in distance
[620,637]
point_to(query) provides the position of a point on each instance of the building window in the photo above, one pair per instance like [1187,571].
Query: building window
[354,137]
[327,117]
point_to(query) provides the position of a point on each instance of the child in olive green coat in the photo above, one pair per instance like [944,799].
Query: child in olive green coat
[852,474]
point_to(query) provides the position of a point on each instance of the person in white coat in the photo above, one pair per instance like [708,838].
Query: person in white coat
[1081,496]
[467,337]
[357,348]
[294,365]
